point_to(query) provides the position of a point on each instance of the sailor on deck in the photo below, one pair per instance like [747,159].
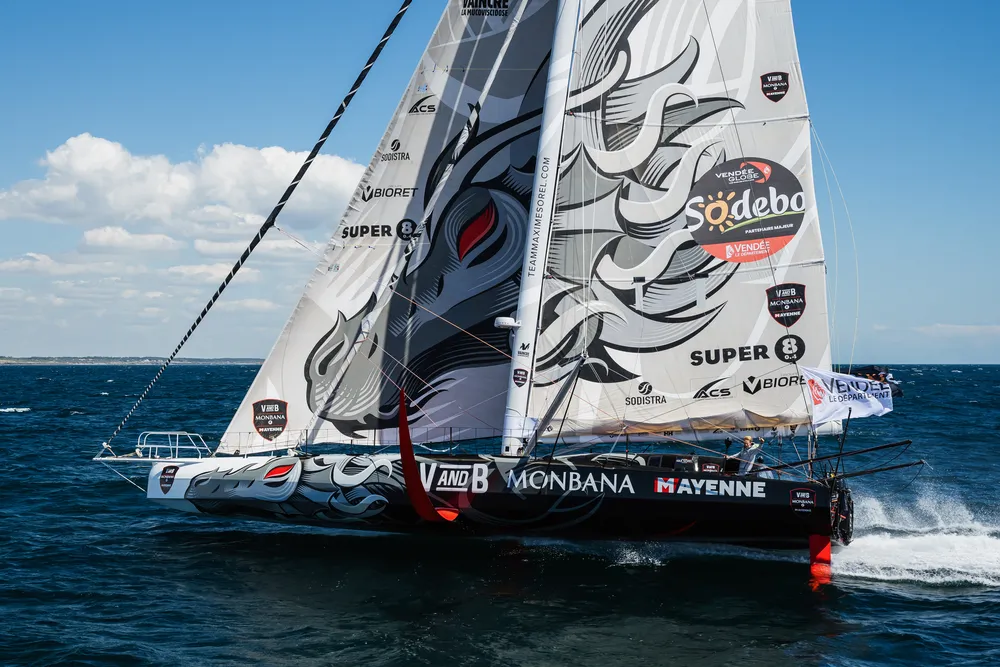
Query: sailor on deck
[748,457]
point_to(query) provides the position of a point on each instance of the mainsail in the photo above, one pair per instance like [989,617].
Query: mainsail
[386,309]
[684,262]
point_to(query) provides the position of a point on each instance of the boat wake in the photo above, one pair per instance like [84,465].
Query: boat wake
[936,541]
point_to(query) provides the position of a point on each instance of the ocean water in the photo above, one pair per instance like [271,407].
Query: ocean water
[91,573]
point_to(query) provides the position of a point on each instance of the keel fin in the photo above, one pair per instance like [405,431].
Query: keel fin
[819,559]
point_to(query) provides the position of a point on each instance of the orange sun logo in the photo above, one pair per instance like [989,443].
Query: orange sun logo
[717,211]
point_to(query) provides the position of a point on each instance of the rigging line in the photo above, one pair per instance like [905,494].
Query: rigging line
[836,244]
[379,368]
[269,222]
[739,143]
[106,465]
[854,247]
[447,321]
[591,242]
[299,241]
[920,471]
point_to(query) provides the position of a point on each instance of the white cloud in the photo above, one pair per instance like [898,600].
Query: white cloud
[248,304]
[212,272]
[228,188]
[36,262]
[119,238]
[48,298]
[267,246]
[959,330]
[11,293]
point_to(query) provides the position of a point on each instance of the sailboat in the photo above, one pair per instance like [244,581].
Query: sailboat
[574,294]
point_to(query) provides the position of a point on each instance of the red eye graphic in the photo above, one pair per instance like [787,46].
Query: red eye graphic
[278,472]
[476,230]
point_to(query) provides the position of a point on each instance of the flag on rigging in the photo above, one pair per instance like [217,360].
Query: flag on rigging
[833,394]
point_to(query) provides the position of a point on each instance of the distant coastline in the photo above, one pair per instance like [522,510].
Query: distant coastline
[124,361]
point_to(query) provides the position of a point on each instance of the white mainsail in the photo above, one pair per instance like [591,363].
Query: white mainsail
[684,259]
[382,313]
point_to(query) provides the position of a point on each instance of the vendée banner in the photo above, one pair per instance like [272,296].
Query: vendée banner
[834,394]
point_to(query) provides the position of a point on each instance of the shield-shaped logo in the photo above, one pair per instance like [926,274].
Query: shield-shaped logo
[774,85]
[167,476]
[270,417]
[786,303]
[366,194]
[802,500]
[520,376]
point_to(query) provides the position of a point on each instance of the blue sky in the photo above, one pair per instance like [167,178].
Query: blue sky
[185,93]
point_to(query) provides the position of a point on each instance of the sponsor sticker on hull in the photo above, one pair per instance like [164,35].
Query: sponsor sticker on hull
[745,210]
[454,477]
[167,476]
[803,500]
[710,487]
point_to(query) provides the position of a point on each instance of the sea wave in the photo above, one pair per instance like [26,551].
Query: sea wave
[936,541]
[15,409]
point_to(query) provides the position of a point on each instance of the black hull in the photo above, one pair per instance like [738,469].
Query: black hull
[589,497]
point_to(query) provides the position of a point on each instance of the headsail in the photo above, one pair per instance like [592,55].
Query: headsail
[353,343]
[685,260]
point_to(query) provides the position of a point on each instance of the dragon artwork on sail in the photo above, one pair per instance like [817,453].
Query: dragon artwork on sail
[634,160]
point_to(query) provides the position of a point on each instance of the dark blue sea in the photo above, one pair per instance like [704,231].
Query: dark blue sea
[91,573]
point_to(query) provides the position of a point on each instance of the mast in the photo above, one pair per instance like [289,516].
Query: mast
[516,425]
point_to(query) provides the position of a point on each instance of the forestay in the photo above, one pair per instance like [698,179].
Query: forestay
[384,312]
[684,259]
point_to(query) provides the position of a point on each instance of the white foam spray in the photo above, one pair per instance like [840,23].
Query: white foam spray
[935,541]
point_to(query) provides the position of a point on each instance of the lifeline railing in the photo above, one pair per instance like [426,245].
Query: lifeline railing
[158,445]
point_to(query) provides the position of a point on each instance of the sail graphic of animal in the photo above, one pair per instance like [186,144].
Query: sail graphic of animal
[683,239]
[378,316]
